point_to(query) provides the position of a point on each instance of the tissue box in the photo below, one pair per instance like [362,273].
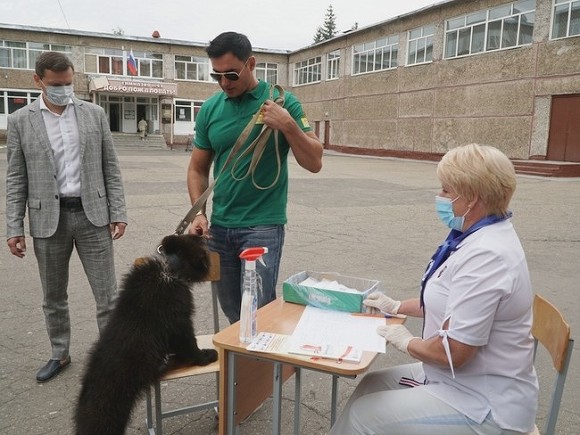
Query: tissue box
[351,302]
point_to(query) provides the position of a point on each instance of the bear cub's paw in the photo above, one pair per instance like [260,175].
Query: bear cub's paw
[207,356]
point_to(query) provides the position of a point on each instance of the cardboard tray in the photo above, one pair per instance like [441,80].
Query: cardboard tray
[292,291]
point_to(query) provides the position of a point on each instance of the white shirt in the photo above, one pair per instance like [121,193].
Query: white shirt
[484,290]
[63,134]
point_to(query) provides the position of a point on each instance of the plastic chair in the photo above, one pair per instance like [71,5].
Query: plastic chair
[551,330]
[155,427]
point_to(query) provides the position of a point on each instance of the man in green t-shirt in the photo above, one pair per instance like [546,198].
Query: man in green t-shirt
[248,208]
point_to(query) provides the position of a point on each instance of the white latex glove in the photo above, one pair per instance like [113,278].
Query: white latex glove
[378,301]
[398,335]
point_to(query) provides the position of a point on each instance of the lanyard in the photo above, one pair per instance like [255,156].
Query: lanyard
[450,244]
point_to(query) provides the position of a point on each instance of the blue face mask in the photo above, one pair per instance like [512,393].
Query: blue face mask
[444,207]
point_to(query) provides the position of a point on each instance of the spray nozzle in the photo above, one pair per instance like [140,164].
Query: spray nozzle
[253,254]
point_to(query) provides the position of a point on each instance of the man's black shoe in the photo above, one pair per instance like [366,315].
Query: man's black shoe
[52,368]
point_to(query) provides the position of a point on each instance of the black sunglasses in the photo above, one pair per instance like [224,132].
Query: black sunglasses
[230,75]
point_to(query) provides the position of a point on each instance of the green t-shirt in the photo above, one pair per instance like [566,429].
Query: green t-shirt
[238,203]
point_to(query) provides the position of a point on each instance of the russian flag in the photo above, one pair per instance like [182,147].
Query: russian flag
[131,64]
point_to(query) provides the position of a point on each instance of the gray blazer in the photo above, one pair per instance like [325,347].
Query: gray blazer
[31,173]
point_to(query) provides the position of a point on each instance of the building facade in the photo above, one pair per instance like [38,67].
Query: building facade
[501,73]
[163,81]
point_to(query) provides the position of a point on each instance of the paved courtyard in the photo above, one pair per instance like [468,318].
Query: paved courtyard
[366,217]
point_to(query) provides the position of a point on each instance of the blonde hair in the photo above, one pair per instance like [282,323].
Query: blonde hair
[479,170]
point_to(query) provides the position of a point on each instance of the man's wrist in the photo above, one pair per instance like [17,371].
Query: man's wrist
[200,213]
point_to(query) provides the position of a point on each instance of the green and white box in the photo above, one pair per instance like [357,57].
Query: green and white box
[320,296]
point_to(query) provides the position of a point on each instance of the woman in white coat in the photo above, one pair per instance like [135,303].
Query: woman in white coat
[475,373]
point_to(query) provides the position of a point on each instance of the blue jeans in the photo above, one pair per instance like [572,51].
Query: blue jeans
[229,243]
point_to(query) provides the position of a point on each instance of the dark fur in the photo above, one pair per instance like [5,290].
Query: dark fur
[151,320]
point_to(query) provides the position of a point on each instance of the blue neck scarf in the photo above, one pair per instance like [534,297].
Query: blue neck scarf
[450,244]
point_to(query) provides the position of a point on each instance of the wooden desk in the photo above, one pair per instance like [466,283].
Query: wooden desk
[244,374]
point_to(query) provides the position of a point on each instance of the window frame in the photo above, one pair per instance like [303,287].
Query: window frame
[28,52]
[428,39]
[464,27]
[113,62]
[199,66]
[333,65]
[267,72]
[308,71]
[192,106]
[558,4]
[6,95]
[367,54]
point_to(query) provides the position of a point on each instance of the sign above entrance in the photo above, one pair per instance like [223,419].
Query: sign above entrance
[103,84]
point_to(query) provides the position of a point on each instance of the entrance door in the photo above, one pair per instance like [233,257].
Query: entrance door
[142,114]
[115,116]
[564,139]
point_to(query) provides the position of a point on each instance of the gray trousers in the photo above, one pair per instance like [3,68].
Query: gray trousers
[379,405]
[94,246]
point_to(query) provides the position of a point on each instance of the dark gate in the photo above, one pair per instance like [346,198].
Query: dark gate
[564,139]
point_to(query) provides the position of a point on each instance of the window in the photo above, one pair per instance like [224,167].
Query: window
[186,111]
[308,71]
[375,56]
[420,45]
[192,68]
[36,48]
[149,64]
[267,72]
[566,20]
[105,61]
[13,55]
[11,101]
[114,62]
[502,27]
[332,64]
[23,55]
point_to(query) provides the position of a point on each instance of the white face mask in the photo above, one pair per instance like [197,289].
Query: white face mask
[59,95]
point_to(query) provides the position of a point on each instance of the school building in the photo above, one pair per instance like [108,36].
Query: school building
[489,71]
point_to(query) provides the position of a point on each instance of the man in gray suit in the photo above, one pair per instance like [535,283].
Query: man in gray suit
[62,163]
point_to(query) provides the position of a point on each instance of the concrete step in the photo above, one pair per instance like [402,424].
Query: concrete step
[129,140]
[547,168]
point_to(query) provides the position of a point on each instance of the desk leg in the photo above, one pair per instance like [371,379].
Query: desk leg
[226,380]
[245,382]
[297,393]
[277,399]
[231,393]
[334,399]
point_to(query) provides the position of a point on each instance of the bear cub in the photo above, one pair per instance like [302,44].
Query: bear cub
[150,323]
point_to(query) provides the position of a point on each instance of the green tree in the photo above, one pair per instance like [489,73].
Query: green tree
[328,30]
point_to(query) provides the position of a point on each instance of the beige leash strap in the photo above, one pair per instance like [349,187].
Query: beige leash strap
[258,145]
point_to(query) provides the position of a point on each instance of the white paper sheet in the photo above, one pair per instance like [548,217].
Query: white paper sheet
[338,329]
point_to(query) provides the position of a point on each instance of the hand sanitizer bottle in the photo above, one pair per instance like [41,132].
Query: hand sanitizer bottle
[251,286]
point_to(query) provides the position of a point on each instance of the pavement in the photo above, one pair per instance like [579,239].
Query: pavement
[372,218]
